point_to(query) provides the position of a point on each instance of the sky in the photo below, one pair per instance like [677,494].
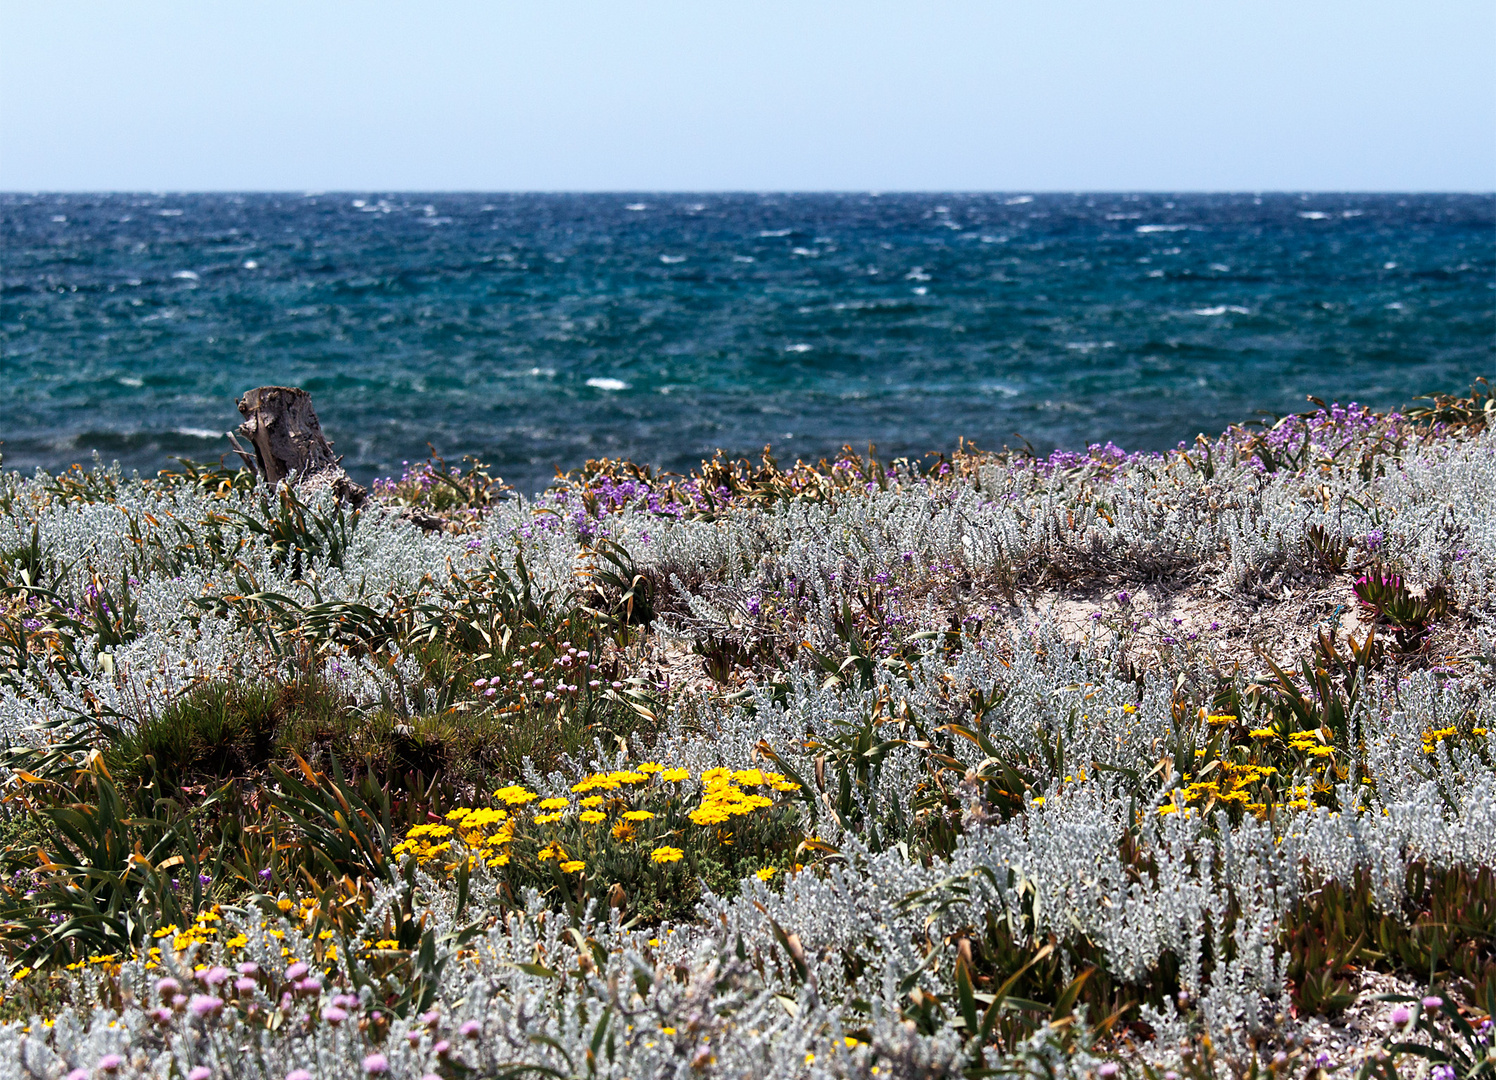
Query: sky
[933,95]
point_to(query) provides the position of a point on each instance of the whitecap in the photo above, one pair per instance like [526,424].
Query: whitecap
[917,274]
[59,218]
[743,258]
[807,252]
[1221,310]
[185,275]
[1161,228]
[671,260]
[198,433]
[799,346]
[1123,217]
[1389,266]
[250,264]
[608,384]
[1352,213]
[169,213]
[994,239]
[766,233]
[1220,268]
[1313,215]
[920,291]
[130,380]
[637,206]
[359,204]
[1020,200]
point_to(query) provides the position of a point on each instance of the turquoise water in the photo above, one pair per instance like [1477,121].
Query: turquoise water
[540,330]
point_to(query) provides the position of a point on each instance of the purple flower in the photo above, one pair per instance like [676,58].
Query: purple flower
[1121,598]
[296,971]
[1443,1072]
[249,968]
[1432,1002]
[205,879]
[376,1064]
[1374,539]
[265,874]
[168,987]
[205,1005]
[1401,1016]
[245,986]
[334,1015]
[161,1015]
[216,976]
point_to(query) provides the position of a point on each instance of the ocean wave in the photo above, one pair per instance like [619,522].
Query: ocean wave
[607,384]
[1223,309]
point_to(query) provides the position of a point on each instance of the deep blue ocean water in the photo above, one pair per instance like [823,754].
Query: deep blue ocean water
[541,330]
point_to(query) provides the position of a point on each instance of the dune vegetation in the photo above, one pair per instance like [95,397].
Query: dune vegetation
[1096,764]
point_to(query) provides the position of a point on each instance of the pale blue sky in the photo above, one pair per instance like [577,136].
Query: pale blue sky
[758,95]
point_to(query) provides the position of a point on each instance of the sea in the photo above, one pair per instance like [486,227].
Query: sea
[537,331]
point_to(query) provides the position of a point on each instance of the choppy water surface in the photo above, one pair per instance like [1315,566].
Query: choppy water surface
[541,330]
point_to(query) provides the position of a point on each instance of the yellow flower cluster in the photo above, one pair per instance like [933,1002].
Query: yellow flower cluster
[722,797]
[472,829]
[1433,738]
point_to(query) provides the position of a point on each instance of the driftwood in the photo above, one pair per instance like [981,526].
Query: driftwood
[286,442]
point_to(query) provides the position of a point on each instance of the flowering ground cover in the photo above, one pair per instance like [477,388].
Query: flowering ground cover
[1097,764]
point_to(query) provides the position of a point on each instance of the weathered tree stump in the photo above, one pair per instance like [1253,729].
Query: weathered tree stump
[287,441]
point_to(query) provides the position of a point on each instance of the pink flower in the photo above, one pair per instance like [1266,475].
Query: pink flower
[334,1015]
[245,986]
[296,971]
[199,1072]
[376,1064]
[205,1005]
[470,1029]
[1433,1002]
[251,969]
[216,976]
[1401,1016]
[110,1063]
[298,1074]
[168,988]
[78,1074]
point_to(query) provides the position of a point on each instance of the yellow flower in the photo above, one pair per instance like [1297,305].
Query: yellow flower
[546,819]
[750,777]
[573,867]
[765,874]
[715,776]
[1129,708]
[1219,719]
[1039,801]
[623,830]
[592,817]
[550,851]
[664,855]
[637,815]
[1262,733]
[554,804]
[592,802]
[501,859]
[460,811]
[21,973]
[514,795]
[709,815]
[649,768]
[675,776]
